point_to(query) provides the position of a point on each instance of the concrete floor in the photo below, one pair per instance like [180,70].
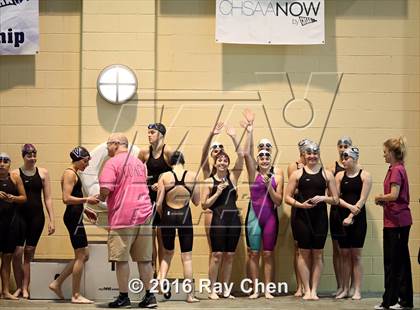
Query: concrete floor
[283,302]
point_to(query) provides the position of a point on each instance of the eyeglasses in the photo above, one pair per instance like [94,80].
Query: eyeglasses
[216,146]
[111,142]
[267,145]
[5,160]
[262,154]
[31,154]
[152,126]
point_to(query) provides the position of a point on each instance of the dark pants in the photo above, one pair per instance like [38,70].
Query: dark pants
[397,267]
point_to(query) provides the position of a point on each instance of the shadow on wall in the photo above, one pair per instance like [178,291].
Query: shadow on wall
[17,71]
[115,117]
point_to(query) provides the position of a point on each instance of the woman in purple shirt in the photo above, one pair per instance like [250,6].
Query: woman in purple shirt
[397,223]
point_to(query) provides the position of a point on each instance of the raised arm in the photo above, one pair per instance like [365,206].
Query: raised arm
[249,158]
[204,161]
[249,120]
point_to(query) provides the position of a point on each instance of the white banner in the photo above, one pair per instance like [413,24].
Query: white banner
[19,27]
[270,21]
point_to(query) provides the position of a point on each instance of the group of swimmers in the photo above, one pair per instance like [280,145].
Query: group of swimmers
[311,186]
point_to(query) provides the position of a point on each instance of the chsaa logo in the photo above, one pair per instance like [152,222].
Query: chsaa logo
[293,8]
[4,3]
[306,20]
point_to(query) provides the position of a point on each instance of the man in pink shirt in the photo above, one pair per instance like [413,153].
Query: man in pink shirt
[123,184]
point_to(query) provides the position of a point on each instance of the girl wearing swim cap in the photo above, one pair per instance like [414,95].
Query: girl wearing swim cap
[353,185]
[262,222]
[298,164]
[12,193]
[219,194]
[312,183]
[73,219]
[335,222]
[208,155]
[266,194]
[30,215]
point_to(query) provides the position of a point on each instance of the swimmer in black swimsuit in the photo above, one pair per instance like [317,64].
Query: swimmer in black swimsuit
[176,189]
[290,169]
[73,219]
[311,221]
[354,185]
[157,159]
[12,192]
[335,223]
[219,194]
[31,217]
[206,163]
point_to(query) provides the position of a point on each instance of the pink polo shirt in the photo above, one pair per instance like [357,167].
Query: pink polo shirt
[128,202]
[397,213]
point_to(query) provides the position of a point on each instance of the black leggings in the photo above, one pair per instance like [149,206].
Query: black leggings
[225,231]
[173,219]
[397,268]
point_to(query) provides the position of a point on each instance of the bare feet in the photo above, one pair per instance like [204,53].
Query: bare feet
[314,296]
[228,296]
[192,299]
[213,296]
[343,294]
[18,292]
[254,296]
[56,289]
[80,300]
[338,292]
[356,296]
[299,292]
[25,294]
[307,296]
[268,295]
[7,295]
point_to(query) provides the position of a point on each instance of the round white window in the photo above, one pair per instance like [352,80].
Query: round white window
[117,84]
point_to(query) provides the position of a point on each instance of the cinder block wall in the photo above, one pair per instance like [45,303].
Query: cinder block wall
[40,104]
[375,44]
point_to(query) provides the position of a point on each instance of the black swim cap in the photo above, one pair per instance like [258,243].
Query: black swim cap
[78,153]
[159,127]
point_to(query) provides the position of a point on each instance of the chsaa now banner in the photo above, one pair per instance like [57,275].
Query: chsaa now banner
[19,27]
[270,21]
